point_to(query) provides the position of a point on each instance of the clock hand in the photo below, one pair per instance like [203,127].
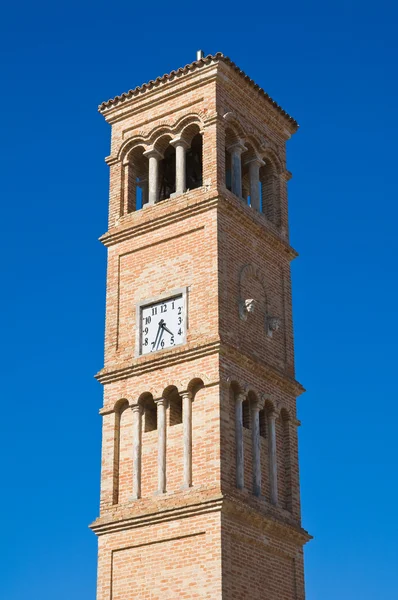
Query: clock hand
[157,334]
[168,330]
[160,337]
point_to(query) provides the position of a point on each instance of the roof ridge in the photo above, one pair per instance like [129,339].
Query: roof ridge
[219,56]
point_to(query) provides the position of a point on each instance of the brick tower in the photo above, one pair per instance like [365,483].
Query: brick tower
[200,484]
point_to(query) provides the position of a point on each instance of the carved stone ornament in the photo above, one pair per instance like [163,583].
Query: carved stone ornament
[246,307]
[273,324]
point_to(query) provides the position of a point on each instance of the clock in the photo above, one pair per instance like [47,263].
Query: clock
[162,323]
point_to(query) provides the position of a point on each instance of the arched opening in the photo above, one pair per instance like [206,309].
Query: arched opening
[230,139]
[135,181]
[194,163]
[167,168]
[246,413]
[270,193]
[150,415]
[120,407]
[175,409]
[286,457]
[263,423]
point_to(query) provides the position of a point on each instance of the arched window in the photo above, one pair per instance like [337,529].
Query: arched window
[167,174]
[263,423]
[270,193]
[135,181]
[150,416]
[246,413]
[175,408]
[120,407]
[194,163]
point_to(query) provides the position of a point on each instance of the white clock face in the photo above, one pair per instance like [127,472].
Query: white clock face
[162,324]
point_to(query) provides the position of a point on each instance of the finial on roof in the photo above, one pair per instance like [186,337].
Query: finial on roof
[199,54]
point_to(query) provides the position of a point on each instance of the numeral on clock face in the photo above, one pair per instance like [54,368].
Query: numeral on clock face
[162,324]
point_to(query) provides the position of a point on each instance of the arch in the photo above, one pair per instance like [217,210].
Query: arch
[285,419]
[119,407]
[270,186]
[149,412]
[195,385]
[248,155]
[234,125]
[245,304]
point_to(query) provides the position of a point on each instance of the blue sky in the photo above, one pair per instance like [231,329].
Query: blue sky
[333,66]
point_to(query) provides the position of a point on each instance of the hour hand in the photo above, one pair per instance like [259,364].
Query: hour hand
[166,329]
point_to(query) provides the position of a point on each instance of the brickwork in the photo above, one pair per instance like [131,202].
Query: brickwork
[211,538]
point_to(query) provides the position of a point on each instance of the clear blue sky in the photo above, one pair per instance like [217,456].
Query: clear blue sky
[333,66]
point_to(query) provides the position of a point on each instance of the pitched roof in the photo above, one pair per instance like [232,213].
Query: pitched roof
[192,67]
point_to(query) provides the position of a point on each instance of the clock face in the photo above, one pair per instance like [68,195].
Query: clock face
[163,324]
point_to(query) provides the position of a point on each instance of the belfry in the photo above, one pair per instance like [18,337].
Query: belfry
[200,493]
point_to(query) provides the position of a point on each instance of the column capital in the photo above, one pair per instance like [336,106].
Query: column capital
[179,140]
[241,397]
[273,415]
[187,394]
[161,401]
[153,153]
[137,407]
[237,147]
[255,160]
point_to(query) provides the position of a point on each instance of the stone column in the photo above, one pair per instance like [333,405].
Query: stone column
[273,477]
[181,147]
[255,426]
[187,426]
[161,418]
[236,167]
[137,449]
[240,468]
[254,177]
[153,174]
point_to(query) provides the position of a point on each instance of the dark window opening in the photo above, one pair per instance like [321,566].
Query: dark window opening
[246,414]
[167,174]
[150,417]
[175,411]
[263,423]
[194,169]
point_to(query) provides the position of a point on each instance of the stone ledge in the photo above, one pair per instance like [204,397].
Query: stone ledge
[190,505]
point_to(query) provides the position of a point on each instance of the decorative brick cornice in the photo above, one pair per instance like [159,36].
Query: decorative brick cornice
[114,522]
[230,203]
[261,369]
[277,525]
[195,66]
[191,505]
[188,205]
[185,207]
[146,364]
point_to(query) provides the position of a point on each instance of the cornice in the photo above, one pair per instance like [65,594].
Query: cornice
[265,371]
[200,65]
[278,527]
[145,364]
[188,205]
[155,96]
[113,522]
[182,211]
[125,519]
[230,203]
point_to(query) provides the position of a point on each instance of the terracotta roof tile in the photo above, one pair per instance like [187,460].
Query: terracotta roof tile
[192,67]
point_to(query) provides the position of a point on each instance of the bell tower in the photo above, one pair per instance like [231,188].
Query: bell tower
[200,484]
